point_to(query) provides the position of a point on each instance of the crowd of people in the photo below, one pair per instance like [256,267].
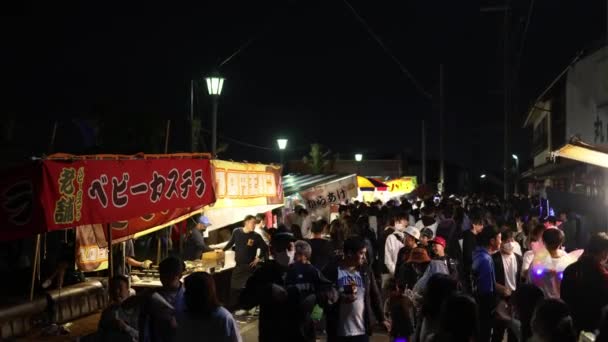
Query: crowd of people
[442,269]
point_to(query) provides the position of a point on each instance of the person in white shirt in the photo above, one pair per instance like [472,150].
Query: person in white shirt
[394,242]
[427,220]
[548,265]
[507,269]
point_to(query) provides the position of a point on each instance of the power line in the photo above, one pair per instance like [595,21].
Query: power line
[403,69]
[243,143]
[523,39]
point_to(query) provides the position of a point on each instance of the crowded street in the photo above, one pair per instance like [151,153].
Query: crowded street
[305,171]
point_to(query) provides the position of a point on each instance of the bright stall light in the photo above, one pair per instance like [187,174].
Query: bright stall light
[482,176]
[358,157]
[515,157]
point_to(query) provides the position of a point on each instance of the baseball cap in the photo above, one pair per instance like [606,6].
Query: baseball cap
[440,241]
[426,232]
[413,232]
[204,220]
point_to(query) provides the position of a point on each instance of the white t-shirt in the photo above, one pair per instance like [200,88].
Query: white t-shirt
[509,262]
[352,322]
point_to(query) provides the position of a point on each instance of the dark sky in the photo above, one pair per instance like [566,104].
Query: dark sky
[312,73]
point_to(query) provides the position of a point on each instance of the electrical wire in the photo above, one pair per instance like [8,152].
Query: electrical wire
[243,143]
[403,69]
[523,39]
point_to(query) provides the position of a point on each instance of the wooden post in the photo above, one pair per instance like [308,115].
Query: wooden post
[167,134]
[35,266]
[158,256]
[110,258]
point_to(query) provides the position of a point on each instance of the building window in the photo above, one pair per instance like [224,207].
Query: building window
[540,141]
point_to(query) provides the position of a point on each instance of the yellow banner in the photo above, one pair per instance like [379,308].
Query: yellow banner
[245,185]
[402,185]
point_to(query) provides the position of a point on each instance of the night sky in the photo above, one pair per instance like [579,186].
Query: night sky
[311,72]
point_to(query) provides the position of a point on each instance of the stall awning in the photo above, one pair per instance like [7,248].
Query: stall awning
[583,152]
[295,183]
[370,184]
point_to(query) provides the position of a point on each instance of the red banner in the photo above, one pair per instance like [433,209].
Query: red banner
[123,229]
[84,192]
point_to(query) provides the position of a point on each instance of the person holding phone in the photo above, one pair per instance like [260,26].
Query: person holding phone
[350,319]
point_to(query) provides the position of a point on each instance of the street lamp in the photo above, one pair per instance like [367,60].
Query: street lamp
[215,83]
[358,157]
[282,146]
[516,173]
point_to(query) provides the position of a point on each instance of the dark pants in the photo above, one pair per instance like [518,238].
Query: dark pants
[235,295]
[360,338]
[486,305]
[498,332]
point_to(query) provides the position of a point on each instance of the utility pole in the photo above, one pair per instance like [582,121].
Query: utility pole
[192,139]
[507,100]
[423,152]
[441,131]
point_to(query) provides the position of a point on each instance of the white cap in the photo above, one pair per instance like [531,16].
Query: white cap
[413,232]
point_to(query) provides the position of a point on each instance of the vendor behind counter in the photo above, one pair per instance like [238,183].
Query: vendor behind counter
[195,244]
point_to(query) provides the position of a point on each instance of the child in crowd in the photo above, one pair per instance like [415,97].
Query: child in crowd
[118,322]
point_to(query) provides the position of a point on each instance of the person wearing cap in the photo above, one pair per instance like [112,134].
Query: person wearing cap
[404,272]
[426,235]
[438,245]
[424,267]
[195,244]
[249,249]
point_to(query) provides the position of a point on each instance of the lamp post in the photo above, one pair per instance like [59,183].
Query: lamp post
[358,158]
[516,180]
[282,146]
[215,84]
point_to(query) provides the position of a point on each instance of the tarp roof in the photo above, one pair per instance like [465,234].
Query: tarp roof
[294,183]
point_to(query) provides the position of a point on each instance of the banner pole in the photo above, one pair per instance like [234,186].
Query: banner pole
[167,133]
[110,254]
[35,266]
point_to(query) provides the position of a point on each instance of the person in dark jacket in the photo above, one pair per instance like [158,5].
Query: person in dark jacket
[322,251]
[484,276]
[585,285]
[350,319]
[266,288]
[468,245]
[507,266]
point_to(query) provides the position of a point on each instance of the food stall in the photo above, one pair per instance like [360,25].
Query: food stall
[110,198]
[126,195]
